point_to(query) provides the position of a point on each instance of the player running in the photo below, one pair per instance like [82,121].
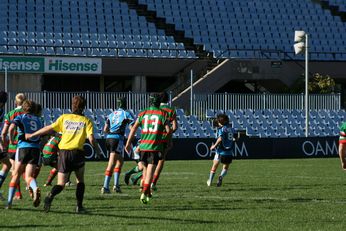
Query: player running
[153,124]
[342,145]
[167,138]
[6,164]
[28,152]
[138,169]
[12,147]
[115,129]
[224,148]
[50,157]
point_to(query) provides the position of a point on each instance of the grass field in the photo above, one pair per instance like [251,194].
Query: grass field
[295,194]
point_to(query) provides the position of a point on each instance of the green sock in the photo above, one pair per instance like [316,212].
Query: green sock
[131,171]
[136,177]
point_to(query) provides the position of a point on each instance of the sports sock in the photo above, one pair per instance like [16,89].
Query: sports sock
[108,177]
[223,173]
[33,184]
[211,175]
[51,176]
[146,189]
[136,177]
[155,179]
[18,191]
[56,190]
[116,176]
[3,176]
[80,194]
[11,191]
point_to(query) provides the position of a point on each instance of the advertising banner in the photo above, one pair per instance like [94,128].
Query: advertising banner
[73,65]
[245,148]
[22,64]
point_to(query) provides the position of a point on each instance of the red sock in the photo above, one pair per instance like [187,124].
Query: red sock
[155,179]
[108,173]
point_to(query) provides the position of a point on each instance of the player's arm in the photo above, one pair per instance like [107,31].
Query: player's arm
[4,132]
[131,136]
[43,131]
[218,141]
[11,132]
[174,125]
[106,127]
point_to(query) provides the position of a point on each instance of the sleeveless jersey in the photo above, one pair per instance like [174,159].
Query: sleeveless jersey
[28,124]
[9,117]
[117,122]
[171,115]
[342,137]
[152,121]
[226,133]
[51,147]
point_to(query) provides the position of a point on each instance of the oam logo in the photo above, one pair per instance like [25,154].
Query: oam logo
[310,148]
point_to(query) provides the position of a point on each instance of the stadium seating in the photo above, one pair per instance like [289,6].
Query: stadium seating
[227,28]
[255,123]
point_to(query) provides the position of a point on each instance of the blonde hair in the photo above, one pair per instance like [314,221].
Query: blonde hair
[20,97]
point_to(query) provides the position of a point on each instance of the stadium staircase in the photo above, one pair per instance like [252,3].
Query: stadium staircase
[209,62]
[333,7]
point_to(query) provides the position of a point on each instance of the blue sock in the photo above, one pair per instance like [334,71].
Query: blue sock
[211,176]
[116,179]
[11,192]
[3,176]
[106,182]
[223,173]
[33,184]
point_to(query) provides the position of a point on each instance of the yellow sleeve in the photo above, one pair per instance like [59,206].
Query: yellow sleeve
[89,128]
[58,124]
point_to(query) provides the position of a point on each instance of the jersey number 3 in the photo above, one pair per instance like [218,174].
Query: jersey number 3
[153,122]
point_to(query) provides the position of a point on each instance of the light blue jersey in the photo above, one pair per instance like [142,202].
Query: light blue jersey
[226,133]
[117,122]
[28,124]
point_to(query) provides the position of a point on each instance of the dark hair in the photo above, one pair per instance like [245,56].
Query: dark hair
[3,97]
[78,104]
[121,103]
[154,100]
[164,97]
[29,106]
[222,119]
[38,109]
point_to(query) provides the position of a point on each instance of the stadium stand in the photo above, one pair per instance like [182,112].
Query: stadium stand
[237,28]
[269,123]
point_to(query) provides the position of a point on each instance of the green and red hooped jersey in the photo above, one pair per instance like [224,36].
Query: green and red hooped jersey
[171,115]
[9,117]
[152,121]
[51,147]
[342,138]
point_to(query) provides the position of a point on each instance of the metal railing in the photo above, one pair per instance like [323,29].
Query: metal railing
[228,101]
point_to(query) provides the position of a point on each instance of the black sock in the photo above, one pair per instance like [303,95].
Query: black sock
[80,194]
[56,190]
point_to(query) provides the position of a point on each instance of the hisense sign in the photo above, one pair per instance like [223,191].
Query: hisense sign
[22,64]
[73,65]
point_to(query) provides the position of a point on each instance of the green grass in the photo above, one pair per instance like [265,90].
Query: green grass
[294,194]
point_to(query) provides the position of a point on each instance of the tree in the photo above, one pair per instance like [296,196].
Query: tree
[321,84]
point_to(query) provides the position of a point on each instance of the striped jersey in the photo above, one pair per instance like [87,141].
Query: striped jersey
[171,115]
[28,124]
[152,121]
[342,137]
[51,147]
[117,122]
[9,117]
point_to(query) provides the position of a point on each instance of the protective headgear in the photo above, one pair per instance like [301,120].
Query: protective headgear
[121,103]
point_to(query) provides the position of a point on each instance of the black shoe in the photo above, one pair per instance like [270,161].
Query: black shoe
[47,203]
[219,181]
[80,210]
[36,197]
[127,178]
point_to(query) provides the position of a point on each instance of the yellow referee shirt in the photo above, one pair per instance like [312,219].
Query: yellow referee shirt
[75,129]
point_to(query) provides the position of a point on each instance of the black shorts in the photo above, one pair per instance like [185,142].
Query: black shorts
[51,161]
[114,145]
[227,159]
[150,157]
[12,155]
[28,155]
[70,160]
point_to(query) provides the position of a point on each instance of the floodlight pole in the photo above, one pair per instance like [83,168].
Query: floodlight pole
[6,79]
[191,92]
[306,87]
